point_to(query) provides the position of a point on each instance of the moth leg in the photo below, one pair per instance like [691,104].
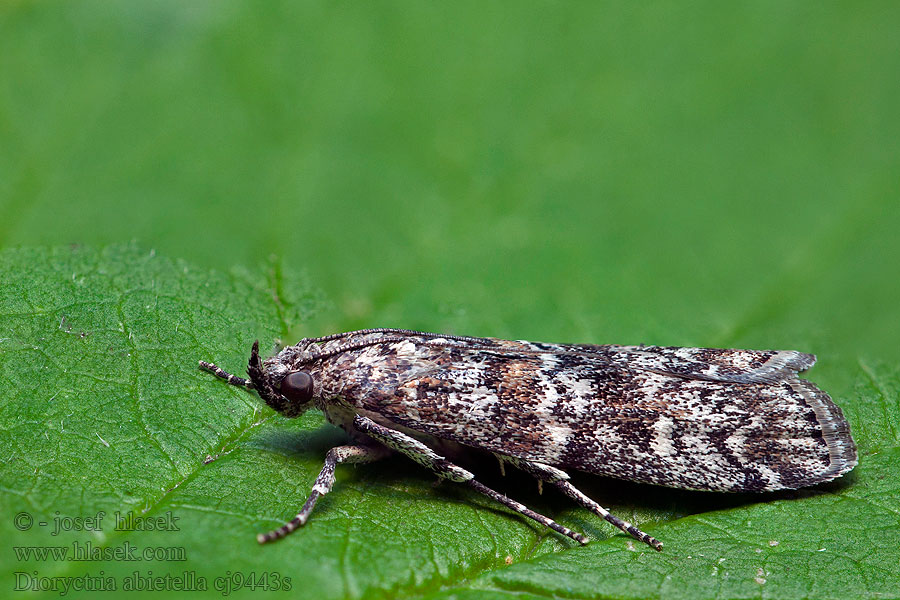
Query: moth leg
[428,458]
[560,479]
[335,456]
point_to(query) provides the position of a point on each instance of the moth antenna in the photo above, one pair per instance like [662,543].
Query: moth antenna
[318,355]
[223,374]
[261,383]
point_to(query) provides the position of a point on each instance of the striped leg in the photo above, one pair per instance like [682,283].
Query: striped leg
[427,457]
[575,494]
[560,479]
[335,456]
[522,509]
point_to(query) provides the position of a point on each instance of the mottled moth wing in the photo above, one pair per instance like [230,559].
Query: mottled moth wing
[694,418]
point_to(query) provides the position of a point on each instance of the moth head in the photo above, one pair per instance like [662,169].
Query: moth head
[289,392]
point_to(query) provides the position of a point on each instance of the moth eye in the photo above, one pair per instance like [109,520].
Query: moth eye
[297,386]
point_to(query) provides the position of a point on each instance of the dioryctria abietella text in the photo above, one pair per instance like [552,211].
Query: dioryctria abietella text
[690,418]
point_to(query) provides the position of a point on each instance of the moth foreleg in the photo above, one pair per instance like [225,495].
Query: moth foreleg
[427,457]
[335,456]
[560,479]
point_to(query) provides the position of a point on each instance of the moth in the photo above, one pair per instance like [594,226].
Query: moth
[689,418]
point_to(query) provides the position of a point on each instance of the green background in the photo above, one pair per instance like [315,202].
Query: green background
[695,174]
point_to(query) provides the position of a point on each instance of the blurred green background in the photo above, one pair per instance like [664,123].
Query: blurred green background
[671,173]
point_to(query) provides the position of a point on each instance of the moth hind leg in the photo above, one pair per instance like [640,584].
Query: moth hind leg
[560,479]
[524,510]
[572,492]
[425,456]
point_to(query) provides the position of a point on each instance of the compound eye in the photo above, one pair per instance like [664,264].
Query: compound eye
[297,386]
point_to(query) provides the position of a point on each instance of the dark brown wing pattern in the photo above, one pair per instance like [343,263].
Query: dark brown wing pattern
[695,418]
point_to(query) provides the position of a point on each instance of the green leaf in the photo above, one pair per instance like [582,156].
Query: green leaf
[104,409]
